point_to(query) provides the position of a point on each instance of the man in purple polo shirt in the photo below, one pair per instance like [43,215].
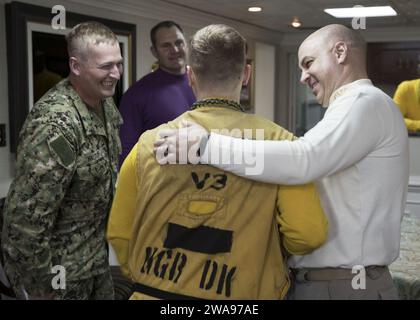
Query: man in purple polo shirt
[162,95]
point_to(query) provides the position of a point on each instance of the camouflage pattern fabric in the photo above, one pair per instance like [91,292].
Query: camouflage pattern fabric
[58,204]
[99,287]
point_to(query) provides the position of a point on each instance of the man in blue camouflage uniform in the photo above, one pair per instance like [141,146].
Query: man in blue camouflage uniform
[58,204]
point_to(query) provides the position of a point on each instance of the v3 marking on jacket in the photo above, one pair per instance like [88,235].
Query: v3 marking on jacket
[219,180]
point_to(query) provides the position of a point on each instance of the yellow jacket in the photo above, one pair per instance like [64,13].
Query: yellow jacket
[197,231]
[407,97]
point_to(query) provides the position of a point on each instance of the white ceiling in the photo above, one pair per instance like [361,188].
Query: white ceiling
[278,14]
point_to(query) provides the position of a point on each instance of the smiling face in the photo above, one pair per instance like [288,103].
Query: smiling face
[170,50]
[319,68]
[101,70]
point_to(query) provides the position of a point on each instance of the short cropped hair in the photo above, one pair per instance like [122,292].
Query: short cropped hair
[163,24]
[86,33]
[217,55]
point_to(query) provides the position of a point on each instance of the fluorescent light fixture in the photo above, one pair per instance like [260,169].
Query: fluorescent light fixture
[360,11]
[254,9]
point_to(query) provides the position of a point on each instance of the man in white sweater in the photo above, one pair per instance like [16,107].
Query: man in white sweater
[358,154]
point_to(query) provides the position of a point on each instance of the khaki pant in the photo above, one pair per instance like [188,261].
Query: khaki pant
[314,284]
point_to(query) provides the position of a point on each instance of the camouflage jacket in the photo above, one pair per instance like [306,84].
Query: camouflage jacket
[58,204]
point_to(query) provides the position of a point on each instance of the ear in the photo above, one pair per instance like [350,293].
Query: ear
[154,52]
[190,75]
[74,65]
[247,75]
[340,51]
[192,80]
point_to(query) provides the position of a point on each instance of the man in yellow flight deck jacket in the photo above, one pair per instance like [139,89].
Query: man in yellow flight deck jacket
[183,232]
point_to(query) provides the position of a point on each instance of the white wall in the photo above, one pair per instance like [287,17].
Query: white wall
[145,14]
[414,143]
[265,61]
[285,88]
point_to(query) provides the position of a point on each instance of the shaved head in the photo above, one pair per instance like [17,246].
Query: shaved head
[333,33]
[330,58]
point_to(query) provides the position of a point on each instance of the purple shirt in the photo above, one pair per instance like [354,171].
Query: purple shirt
[155,99]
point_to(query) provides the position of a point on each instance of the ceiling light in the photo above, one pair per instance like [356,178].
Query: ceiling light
[360,11]
[296,23]
[254,9]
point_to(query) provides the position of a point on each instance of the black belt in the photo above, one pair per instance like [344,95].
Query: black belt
[161,294]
